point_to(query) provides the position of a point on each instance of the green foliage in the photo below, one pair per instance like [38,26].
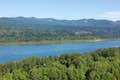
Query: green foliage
[26,34]
[102,64]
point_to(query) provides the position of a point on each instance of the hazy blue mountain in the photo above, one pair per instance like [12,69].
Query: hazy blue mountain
[48,22]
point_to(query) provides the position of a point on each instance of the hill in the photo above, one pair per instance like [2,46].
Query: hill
[41,29]
[40,22]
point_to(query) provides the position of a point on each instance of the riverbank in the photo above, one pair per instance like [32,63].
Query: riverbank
[48,41]
[53,41]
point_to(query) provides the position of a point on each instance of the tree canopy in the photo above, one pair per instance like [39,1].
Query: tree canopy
[102,64]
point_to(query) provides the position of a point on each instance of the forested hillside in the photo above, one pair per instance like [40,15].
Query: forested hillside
[102,64]
[35,29]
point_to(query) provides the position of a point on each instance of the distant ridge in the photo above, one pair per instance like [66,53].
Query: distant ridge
[33,21]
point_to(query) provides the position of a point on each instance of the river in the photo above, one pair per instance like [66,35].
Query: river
[13,52]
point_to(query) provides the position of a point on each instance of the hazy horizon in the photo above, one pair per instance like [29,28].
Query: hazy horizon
[57,18]
[61,9]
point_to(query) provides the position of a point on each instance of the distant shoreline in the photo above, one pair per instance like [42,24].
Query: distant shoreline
[52,41]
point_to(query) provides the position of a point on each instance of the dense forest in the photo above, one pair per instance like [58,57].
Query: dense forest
[35,29]
[15,34]
[102,64]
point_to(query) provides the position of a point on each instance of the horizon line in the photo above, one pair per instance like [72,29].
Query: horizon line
[56,18]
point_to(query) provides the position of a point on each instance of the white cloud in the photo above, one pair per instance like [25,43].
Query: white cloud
[113,15]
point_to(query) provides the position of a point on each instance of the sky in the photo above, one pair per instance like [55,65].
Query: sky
[61,9]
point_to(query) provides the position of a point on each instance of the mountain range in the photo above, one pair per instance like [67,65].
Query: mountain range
[47,22]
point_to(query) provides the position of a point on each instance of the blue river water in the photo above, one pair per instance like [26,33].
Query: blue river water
[13,52]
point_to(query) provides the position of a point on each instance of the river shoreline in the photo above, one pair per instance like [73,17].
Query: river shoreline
[52,41]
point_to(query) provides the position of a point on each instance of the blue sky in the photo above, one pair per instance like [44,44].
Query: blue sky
[61,9]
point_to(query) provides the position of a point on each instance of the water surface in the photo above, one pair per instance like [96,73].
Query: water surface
[14,52]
